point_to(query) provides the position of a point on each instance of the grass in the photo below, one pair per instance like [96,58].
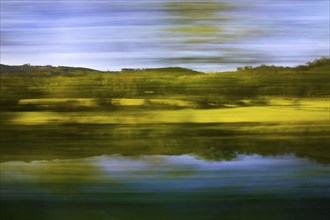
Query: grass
[215,134]
[280,113]
[56,112]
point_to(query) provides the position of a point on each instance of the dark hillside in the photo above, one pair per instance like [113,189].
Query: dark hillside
[43,70]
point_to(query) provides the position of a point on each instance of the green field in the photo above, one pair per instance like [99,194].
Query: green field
[56,112]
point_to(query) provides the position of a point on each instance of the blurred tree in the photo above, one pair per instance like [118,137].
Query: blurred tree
[212,27]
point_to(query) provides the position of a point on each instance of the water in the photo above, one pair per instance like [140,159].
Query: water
[165,187]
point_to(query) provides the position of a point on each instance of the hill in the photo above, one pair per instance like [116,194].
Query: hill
[43,70]
[52,70]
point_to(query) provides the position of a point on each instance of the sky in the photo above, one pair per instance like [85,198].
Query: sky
[210,35]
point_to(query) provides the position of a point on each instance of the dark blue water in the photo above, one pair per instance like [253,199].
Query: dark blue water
[165,187]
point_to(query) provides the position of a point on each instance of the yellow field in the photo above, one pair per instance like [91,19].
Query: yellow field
[86,102]
[242,114]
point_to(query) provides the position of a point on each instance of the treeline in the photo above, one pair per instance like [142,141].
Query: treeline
[73,71]
[43,70]
[213,89]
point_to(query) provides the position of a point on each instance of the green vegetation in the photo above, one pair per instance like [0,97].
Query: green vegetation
[51,112]
[204,90]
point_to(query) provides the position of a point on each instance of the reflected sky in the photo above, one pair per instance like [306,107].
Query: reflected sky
[203,35]
[251,174]
[165,187]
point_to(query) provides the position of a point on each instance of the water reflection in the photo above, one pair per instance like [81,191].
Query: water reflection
[166,187]
[210,141]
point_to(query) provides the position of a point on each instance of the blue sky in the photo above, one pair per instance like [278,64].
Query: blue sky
[206,35]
